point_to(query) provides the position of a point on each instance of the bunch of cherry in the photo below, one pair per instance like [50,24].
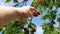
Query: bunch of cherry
[35,14]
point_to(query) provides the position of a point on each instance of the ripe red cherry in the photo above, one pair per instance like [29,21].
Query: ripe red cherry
[25,29]
[38,13]
[52,22]
[25,0]
[35,14]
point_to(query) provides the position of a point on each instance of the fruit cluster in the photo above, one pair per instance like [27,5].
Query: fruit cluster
[25,29]
[35,14]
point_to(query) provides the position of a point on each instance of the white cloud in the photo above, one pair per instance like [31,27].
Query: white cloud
[39,30]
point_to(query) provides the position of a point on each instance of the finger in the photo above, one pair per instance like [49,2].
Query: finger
[29,13]
[31,8]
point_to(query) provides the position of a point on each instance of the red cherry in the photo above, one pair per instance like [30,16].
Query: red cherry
[25,29]
[52,21]
[36,14]
[25,0]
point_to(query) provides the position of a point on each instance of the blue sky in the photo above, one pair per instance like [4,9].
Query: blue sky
[36,20]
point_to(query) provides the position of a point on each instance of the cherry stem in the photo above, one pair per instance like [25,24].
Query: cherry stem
[31,19]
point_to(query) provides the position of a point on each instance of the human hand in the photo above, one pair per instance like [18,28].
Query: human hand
[26,11]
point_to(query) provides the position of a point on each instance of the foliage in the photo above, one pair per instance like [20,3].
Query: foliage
[8,0]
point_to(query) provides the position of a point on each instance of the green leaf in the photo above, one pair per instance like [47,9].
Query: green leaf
[58,4]
[58,19]
[0,30]
[31,26]
[8,0]
[45,17]
[32,32]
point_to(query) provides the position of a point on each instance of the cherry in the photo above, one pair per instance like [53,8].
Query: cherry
[38,13]
[34,30]
[25,0]
[52,21]
[35,14]
[25,29]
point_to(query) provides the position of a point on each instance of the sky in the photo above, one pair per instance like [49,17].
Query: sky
[35,20]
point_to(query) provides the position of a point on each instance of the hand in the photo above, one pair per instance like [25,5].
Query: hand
[26,11]
[8,14]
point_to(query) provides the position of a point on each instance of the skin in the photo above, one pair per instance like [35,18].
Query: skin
[8,14]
